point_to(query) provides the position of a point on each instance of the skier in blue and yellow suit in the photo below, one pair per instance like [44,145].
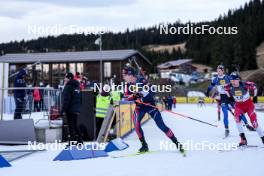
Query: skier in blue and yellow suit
[142,99]
[220,82]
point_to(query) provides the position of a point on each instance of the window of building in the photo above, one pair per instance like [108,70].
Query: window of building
[79,67]
[46,74]
[55,74]
[63,69]
[72,68]
[30,74]
[39,73]
[12,70]
[107,69]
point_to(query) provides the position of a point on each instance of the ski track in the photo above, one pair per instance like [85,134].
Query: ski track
[206,162]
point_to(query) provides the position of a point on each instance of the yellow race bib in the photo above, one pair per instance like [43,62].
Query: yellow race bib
[222,82]
[238,93]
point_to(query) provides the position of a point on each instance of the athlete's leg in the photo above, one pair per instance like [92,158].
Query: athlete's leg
[218,110]
[225,113]
[244,119]
[253,117]
[238,112]
[137,117]
[156,116]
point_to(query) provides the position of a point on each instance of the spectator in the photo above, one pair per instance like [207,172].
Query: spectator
[103,100]
[174,101]
[37,97]
[77,76]
[81,79]
[170,101]
[19,94]
[165,101]
[71,103]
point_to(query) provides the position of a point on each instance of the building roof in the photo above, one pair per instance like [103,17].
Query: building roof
[79,56]
[201,67]
[173,63]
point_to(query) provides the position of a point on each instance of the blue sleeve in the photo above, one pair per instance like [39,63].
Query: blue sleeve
[211,86]
[227,80]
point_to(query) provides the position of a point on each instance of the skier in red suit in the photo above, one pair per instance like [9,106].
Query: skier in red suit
[240,91]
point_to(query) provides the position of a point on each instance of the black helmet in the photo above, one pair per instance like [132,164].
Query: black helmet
[234,76]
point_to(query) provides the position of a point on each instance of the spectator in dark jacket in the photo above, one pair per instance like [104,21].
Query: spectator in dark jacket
[71,103]
[19,94]
[165,101]
[170,102]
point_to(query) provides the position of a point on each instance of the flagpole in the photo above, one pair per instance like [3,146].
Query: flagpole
[101,62]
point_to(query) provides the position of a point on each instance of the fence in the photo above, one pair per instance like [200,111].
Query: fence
[206,100]
[45,108]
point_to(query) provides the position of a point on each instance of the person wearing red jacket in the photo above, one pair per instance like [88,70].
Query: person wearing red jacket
[240,91]
[80,78]
[174,101]
[37,98]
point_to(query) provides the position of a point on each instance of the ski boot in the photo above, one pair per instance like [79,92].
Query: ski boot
[144,148]
[262,138]
[227,132]
[179,146]
[181,149]
[250,128]
[243,140]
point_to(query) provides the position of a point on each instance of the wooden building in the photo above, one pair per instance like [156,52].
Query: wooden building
[180,66]
[52,66]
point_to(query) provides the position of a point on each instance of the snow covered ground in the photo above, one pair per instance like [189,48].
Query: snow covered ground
[204,162]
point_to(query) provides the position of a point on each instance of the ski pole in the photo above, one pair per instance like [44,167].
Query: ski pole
[231,111]
[197,120]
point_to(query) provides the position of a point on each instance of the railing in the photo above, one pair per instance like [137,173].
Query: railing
[46,107]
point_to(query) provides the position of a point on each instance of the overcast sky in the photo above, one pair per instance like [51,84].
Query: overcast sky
[19,18]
